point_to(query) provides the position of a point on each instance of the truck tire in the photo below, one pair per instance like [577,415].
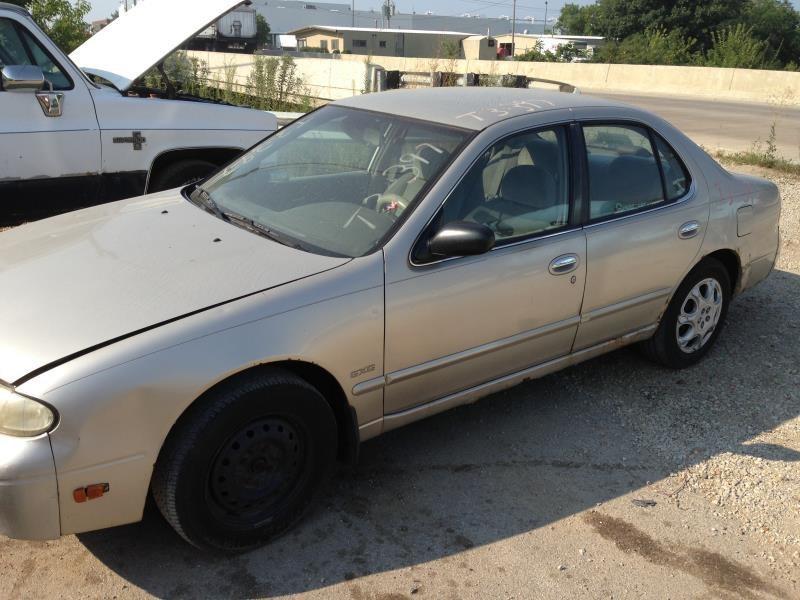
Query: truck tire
[245,462]
[180,173]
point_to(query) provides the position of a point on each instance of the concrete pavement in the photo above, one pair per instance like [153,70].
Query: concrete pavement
[725,125]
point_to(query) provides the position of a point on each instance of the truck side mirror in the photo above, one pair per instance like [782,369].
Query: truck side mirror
[22,77]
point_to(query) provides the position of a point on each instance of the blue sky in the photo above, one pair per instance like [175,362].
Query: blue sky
[490,8]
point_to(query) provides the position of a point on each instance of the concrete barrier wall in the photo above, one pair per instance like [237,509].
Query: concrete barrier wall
[331,79]
[325,79]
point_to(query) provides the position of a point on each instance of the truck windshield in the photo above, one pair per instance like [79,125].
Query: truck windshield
[336,181]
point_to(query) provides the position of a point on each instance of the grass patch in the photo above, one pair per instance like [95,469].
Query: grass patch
[762,154]
[759,159]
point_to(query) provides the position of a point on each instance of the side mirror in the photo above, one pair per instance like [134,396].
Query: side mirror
[22,77]
[461,238]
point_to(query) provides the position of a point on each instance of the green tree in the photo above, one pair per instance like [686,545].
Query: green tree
[736,47]
[625,24]
[620,19]
[62,20]
[262,30]
[653,47]
[777,23]
[578,20]
[563,53]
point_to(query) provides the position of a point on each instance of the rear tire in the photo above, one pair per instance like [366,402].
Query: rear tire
[694,318]
[245,462]
[180,173]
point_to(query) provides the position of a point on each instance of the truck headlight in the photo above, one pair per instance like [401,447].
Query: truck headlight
[21,416]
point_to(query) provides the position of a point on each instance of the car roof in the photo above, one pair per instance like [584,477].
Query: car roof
[13,7]
[471,107]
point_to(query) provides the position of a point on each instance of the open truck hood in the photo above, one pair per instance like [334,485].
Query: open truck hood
[124,50]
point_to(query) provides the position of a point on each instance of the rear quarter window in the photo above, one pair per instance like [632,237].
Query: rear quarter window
[676,175]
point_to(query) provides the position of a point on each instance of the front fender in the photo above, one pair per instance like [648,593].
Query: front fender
[118,404]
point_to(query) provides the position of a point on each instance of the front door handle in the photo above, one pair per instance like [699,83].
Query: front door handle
[566,263]
[688,230]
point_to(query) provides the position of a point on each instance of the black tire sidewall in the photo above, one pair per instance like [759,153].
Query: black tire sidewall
[181,173]
[675,357]
[306,410]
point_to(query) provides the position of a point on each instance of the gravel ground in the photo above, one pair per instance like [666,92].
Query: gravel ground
[615,478]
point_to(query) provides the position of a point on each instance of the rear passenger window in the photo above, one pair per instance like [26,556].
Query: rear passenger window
[676,177]
[623,173]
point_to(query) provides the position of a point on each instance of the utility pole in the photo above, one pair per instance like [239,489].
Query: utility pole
[544,31]
[513,28]
[353,11]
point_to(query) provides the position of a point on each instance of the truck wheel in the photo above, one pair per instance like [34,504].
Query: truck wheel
[245,462]
[694,318]
[180,173]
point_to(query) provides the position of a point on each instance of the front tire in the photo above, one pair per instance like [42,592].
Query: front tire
[245,462]
[694,318]
[180,173]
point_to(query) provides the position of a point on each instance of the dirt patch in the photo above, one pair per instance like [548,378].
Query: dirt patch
[715,570]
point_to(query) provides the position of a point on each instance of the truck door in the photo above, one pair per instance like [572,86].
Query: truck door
[49,159]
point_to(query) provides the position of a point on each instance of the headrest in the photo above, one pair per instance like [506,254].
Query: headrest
[637,177]
[544,154]
[529,185]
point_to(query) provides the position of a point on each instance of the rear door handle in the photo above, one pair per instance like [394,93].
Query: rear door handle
[688,230]
[566,263]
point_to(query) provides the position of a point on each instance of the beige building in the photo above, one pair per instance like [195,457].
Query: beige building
[527,41]
[396,42]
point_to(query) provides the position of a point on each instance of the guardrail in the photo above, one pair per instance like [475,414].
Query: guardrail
[390,80]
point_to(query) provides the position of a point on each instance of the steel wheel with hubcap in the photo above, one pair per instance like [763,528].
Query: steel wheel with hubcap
[694,317]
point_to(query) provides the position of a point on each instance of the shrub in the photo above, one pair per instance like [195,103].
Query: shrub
[735,46]
[651,47]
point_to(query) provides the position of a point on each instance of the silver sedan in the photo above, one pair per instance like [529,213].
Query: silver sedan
[382,259]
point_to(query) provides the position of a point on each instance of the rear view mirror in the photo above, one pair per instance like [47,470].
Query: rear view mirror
[461,238]
[22,77]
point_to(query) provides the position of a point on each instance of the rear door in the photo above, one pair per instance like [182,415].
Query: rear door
[646,219]
[45,161]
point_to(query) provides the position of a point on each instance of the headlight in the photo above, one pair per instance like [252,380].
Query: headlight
[22,417]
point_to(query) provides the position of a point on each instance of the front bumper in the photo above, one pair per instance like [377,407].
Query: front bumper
[28,489]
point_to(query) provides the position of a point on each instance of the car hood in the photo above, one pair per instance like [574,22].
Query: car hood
[89,277]
[127,47]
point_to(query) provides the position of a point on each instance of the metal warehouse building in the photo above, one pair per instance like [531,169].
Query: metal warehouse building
[284,16]
[395,42]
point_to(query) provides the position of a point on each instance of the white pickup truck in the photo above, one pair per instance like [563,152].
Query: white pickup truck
[67,141]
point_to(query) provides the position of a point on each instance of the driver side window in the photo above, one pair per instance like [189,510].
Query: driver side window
[518,188]
[18,47]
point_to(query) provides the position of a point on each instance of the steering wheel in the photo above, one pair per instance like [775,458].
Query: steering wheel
[391,204]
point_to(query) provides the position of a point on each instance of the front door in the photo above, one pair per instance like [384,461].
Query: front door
[45,161]
[454,324]
[646,226]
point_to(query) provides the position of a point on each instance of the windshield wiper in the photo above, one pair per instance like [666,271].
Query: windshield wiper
[259,229]
[201,197]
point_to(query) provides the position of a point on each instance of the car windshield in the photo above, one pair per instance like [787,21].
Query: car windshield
[336,181]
